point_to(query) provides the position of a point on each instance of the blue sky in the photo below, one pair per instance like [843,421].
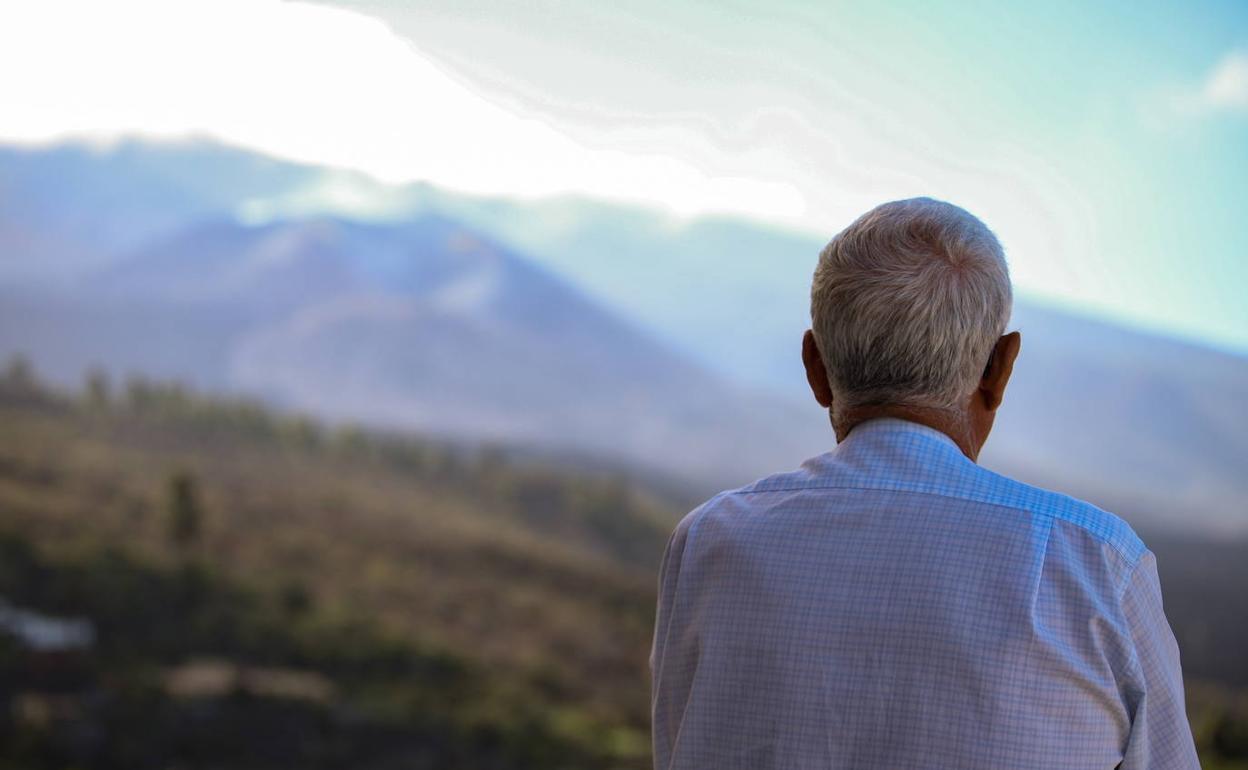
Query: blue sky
[1107,144]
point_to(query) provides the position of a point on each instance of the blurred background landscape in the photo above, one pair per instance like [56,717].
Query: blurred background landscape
[356,362]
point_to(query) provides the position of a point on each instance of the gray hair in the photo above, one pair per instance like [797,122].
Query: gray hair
[906,305]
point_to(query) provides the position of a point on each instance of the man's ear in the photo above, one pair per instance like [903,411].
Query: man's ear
[816,374]
[1000,366]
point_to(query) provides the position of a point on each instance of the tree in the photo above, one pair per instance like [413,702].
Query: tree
[19,374]
[185,512]
[99,391]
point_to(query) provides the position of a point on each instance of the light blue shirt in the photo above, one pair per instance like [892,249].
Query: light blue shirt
[893,605]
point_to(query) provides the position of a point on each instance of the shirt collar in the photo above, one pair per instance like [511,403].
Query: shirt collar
[884,427]
[880,453]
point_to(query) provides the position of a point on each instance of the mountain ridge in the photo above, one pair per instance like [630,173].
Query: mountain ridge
[619,331]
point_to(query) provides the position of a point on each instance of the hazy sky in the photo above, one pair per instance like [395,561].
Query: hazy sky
[1106,144]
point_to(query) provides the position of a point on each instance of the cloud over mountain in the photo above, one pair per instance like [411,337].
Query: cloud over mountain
[569,324]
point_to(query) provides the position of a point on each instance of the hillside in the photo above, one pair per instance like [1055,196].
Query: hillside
[349,584]
[272,592]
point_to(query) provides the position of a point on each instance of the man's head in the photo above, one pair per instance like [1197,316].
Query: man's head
[908,306]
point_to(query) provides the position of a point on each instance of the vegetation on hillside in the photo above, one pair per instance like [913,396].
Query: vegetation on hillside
[198,581]
[417,599]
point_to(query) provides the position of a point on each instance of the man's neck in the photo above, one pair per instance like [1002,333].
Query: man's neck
[953,426]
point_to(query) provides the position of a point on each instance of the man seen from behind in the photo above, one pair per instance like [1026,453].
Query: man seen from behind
[892,605]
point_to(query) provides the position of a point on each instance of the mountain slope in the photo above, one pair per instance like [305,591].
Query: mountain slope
[71,208]
[422,588]
[332,315]
[421,324]
[1145,426]
[1151,428]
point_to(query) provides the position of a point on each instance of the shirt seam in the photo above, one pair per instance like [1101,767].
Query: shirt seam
[1134,664]
[1047,514]
[1130,576]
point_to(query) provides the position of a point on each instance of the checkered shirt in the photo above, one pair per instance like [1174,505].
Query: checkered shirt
[892,605]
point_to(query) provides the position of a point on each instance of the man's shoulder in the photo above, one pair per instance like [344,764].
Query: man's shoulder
[741,506]
[1100,524]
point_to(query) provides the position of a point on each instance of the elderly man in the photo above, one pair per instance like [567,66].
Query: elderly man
[892,604]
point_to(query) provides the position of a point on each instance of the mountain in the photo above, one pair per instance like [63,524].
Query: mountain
[1150,427]
[1146,426]
[572,323]
[70,208]
[421,324]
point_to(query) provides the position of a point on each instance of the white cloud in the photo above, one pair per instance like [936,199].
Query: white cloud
[322,85]
[1226,87]
[331,86]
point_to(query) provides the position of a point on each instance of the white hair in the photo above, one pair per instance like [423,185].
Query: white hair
[906,306]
